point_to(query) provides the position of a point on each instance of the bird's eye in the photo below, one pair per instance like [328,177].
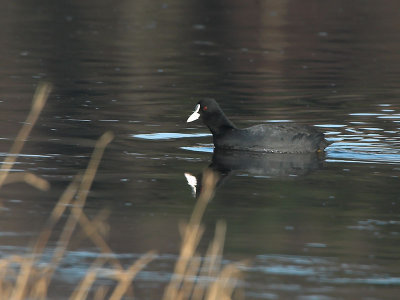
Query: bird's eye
[205,108]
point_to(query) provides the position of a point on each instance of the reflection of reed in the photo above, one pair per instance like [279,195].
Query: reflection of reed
[27,277]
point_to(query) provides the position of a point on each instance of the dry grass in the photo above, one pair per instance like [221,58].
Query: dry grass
[192,273]
[22,277]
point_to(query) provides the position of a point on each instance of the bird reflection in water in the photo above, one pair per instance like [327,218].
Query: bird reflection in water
[225,163]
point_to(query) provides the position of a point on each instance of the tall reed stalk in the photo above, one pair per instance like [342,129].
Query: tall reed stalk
[23,277]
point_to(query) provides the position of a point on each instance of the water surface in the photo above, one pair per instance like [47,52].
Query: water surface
[138,69]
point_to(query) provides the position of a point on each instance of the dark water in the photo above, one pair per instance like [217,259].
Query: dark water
[137,68]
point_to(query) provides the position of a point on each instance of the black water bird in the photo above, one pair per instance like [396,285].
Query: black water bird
[274,137]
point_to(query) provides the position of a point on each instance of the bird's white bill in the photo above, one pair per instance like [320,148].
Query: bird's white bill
[195,115]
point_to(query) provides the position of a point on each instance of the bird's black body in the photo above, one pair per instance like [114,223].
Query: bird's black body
[274,137]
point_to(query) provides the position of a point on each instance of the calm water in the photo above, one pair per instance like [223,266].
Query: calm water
[325,229]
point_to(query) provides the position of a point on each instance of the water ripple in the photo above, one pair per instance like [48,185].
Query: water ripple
[168,135]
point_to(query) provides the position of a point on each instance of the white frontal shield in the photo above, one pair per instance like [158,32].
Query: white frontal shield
[195,115]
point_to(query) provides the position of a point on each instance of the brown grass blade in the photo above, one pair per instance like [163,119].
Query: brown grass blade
[39,100]
[82,290]
[126,277]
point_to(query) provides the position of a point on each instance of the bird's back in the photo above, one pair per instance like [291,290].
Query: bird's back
[282,138]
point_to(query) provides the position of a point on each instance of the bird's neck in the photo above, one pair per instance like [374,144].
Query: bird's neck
[220,124]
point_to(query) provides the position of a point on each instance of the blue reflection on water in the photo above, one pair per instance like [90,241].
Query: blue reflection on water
[364,151]
[203,148]
[168,135]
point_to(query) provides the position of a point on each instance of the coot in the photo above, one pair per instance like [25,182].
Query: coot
[274,137]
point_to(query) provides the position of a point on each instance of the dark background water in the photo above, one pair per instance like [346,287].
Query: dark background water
[139,67]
